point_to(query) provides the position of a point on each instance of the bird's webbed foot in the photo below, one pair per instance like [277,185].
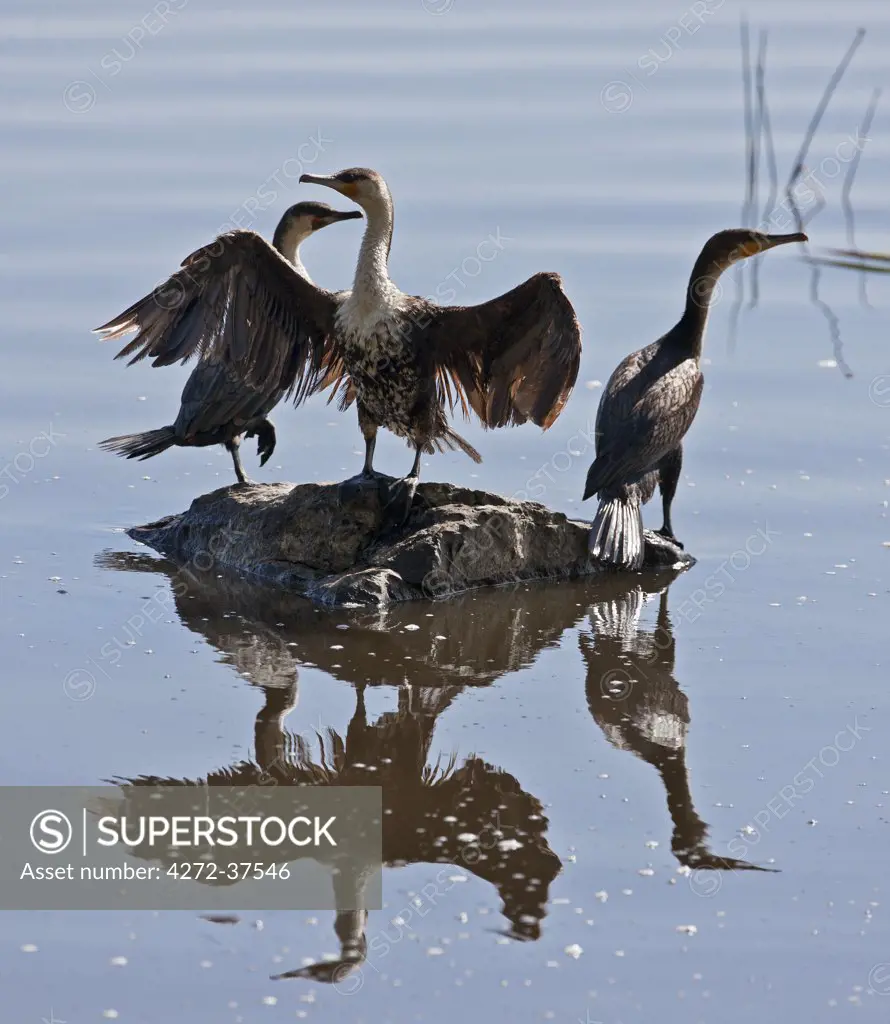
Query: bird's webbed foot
[395,496]
[669,535]
[396,499]
[264,432]
[362,486]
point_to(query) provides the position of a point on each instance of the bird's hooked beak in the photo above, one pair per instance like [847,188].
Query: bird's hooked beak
[762,243]
[346,188]
[775,240]
[334,217]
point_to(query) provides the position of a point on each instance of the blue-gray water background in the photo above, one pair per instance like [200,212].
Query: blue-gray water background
[605,144]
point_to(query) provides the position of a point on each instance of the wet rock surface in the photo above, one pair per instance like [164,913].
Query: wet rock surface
[332,545]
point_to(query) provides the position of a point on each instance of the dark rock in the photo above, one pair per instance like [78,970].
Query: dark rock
[329,544]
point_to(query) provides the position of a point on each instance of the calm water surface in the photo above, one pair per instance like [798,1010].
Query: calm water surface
[649,740]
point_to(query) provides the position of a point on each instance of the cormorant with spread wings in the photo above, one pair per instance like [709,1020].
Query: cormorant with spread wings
[219,406]
[402,359]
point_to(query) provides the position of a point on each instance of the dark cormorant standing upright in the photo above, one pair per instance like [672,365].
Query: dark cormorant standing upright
[648,405]
[218,405]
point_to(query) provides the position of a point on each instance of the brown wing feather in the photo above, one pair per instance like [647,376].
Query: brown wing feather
[236,301]
[336,377]
[512,359]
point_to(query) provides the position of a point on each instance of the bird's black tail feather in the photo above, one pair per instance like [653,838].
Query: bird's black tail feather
[616,534]
[141,446]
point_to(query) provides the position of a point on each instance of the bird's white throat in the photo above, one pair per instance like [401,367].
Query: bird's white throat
[374,299]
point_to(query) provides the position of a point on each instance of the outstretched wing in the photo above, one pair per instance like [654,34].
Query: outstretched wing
[512,359]
[238,302]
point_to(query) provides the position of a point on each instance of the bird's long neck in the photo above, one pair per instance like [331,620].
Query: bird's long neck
[690,331]
[689,829]
[287,240]
[372,270]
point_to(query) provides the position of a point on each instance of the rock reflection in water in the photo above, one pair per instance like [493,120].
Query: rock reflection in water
[454,811]
[432,652]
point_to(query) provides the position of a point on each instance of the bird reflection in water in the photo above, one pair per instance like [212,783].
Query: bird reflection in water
[636,701]
[432,804]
